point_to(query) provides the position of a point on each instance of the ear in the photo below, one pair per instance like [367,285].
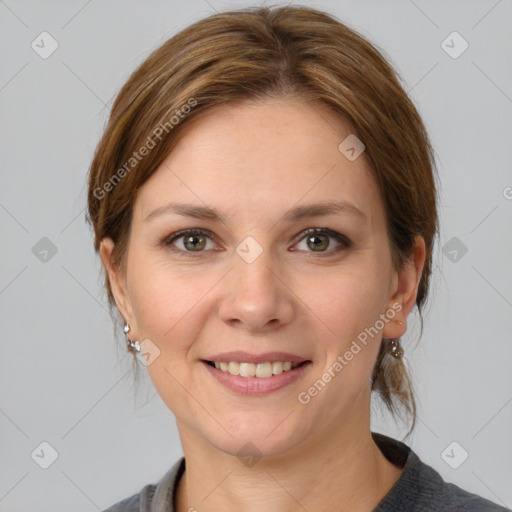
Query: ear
[404,290]
[117,280]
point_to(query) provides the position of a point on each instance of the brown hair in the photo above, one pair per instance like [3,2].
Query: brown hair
[251,54]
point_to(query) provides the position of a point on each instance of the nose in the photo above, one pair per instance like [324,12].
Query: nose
[256,297]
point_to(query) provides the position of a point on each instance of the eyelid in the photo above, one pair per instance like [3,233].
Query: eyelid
[168,240]
[339,237]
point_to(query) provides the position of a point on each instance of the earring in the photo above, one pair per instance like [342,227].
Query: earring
[133,346]
[394,348]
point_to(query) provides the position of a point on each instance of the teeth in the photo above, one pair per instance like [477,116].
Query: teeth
[263,370]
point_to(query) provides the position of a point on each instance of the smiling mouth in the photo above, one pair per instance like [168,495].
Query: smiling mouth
[258,370]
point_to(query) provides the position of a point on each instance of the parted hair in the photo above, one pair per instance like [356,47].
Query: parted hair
[256,53]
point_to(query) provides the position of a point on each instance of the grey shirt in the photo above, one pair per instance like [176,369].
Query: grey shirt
[420,488]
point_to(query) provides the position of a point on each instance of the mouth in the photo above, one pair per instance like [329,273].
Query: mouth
[256,379]
[262,370]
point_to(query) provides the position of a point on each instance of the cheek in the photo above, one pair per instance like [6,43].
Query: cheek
[352,311]
[163,299]
[350,305]
[352,299]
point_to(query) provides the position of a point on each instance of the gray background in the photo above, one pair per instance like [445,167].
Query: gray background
[66,380]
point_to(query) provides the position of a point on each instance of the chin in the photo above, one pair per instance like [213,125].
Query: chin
[255,437]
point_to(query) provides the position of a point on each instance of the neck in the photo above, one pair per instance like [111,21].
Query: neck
[346,470]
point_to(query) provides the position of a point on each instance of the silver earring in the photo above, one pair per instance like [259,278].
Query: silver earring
[394,348]
[133,346]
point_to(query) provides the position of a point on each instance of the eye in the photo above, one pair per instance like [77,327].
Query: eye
[317,239]
[196,240]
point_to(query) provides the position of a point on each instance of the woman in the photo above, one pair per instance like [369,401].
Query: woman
[264,205]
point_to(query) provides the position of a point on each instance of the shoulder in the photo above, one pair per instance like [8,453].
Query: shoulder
[441,495]
[421,488]
[140,502]
[157,497]
[460,499]
[131,504]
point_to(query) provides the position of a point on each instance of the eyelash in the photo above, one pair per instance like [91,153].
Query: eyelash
[344,241]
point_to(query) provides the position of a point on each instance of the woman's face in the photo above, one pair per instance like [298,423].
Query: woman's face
[256,282]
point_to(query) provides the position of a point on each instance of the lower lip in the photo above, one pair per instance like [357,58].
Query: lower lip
[257,385]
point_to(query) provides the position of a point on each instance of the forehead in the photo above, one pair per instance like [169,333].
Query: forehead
[255,158]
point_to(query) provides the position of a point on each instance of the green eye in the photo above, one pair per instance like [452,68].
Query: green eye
[317,240]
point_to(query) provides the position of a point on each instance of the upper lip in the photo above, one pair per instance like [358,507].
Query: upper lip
[246,357]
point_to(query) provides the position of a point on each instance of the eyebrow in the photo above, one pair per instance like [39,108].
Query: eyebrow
[295,214]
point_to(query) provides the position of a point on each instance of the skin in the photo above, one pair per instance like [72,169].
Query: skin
[253,162]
